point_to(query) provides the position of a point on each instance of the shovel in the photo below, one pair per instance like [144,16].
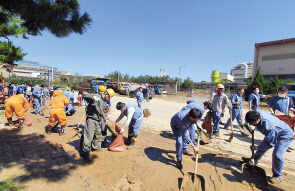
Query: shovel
[108,126]
[253,173]
[231,125]
[192,180]
[205,138]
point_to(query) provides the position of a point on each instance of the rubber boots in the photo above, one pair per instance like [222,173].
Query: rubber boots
[62,130]
[21,123]
[9,121]
[128,141]
[131,146]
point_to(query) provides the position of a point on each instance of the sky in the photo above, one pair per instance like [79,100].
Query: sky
[140,37]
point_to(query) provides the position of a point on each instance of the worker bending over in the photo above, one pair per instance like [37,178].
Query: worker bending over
[277,134]
[192,131]
[180,123]
[134,120]
[95,124]
[17,104]
[57,112]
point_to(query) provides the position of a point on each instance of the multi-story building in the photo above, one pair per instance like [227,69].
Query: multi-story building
[242,71]
[275,58]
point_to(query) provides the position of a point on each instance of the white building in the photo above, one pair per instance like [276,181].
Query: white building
[242,71]
[275,58]
[226,76]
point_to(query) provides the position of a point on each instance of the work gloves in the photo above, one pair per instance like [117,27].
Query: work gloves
[122,130]
[238,103]
[108,116]
[96,98]
[196,151]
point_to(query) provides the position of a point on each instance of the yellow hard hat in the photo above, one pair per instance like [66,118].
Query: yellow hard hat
[219,86]
[111,92]
[102,89]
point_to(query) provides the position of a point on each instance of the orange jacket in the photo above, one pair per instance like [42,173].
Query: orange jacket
[18,100]
[59,100]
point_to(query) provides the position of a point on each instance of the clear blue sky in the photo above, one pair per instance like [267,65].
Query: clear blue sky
[139,37]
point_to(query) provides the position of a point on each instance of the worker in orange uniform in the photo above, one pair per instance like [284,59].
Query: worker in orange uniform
[17,104]
[57,112]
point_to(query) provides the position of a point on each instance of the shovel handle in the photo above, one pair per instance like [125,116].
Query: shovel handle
[252,144]
[231,121]
[197,155]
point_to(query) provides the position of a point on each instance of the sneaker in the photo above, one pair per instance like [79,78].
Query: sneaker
[275,180]
[179,165]
[227,128]
[188,153]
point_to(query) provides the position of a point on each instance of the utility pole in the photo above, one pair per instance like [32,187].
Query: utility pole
[179,75]
[118,76]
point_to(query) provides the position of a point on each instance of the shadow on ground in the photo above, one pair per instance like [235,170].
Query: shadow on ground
[167,134]
[161,155]
[38,157]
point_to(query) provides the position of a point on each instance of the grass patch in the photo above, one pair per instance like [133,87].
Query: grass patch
[9,186]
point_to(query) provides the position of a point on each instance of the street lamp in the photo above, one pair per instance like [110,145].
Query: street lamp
[179,75]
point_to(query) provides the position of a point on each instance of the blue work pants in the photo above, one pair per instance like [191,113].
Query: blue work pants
[134,126]
[180,142]
[192,135]
[37,102]
[139,103]
[235,115]
[216,119]
[277,156]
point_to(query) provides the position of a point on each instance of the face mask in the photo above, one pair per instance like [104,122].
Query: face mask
[220,91]
[282,95]
[257,91]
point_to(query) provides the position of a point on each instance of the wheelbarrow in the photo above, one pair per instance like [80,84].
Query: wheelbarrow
[193,180]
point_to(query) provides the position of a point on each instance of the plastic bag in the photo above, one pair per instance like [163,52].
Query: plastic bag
[118,144]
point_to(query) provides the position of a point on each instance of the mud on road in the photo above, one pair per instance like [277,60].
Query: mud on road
[149,166]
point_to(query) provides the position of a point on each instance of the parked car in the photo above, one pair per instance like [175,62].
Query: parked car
[132,94]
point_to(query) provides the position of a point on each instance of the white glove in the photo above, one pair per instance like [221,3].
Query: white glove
[144,101]
[238,103]
[122,130]
[196,151]
[108,116]
[95,98]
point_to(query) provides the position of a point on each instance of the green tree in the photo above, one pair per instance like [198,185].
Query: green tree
[258,81]
[60,17]
[9,53]
[188,84]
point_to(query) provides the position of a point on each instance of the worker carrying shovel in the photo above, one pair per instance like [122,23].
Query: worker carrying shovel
[134,121]
[192,131]
[17,104]
[277,134]
[180,123]
[237,112]
[95,124]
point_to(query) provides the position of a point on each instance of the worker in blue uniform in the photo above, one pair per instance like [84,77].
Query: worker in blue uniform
[134,116]
[139,97]
[281,102]
[254,99]
[237,106]
[180,123]
[37,92]
[192,131]
[277,134]
[70,110]
[11,90]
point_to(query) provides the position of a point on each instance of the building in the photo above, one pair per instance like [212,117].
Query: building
[275,58]
[226,76]
[242,72]
[30,69]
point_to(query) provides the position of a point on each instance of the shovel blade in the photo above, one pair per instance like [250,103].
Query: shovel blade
[192,181]
[254,174]
[231,137]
